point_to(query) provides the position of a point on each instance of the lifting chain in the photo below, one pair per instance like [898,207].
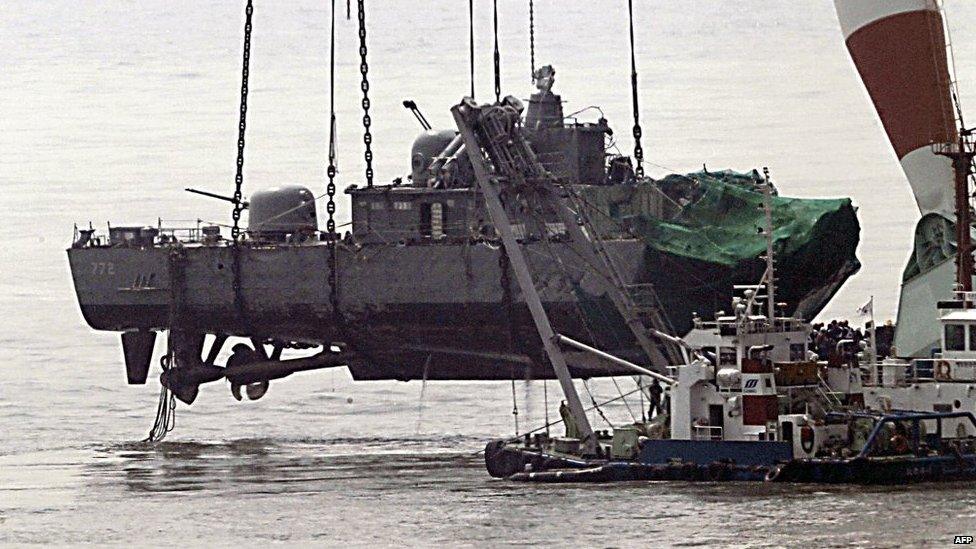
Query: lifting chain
[330,207]
[497,57]
[471,42]
[532,37]
[239,178]
[638,150]
[330,189]
[364,69]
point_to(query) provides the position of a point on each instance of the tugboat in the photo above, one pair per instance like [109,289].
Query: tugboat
[900,448]
[721,423]
[754,407]
[858,448]
[945,383]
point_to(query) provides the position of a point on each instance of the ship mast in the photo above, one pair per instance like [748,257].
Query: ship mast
[770,261]
[961,153]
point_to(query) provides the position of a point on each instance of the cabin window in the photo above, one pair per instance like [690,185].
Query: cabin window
[400,205]
[955,337]
[972,337]
[376,205]
[726,356]
[798,352]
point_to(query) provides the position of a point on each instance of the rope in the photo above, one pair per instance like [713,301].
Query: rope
[640,388]
[596,406]
[166,407]
[686,273]
[423,393]
[558,421]
[532,36]
[471,42]
[638,150]
[364,70]
[497,57]
[515,405]
[545,402]
[584,320]
[242,125]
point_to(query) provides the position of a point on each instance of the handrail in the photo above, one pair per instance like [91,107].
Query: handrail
[711,432]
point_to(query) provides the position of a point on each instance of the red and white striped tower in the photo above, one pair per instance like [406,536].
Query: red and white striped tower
[899,49]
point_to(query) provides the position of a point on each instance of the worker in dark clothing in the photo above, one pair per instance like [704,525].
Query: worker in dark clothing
[656,391]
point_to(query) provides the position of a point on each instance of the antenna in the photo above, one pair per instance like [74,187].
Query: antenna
[770,275]
[962,154]
[411,105]
[243,203]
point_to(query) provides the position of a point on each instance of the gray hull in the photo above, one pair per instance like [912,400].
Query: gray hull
[403,307]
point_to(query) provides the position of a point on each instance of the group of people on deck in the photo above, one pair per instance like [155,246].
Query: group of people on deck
[824,338]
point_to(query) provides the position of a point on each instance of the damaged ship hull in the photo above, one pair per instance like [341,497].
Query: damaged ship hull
[434,311]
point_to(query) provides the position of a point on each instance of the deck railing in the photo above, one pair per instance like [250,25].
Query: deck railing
[706,432]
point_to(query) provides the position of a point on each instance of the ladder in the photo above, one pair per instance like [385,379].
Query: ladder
[638,304]
[498,133]
[827,394]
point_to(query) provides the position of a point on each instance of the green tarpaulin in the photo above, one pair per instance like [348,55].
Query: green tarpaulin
[722,225]
[705,229]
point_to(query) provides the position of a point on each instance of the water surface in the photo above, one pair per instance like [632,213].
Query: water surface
[108,109]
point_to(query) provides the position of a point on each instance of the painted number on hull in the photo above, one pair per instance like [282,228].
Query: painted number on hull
[103,268]
[144,281]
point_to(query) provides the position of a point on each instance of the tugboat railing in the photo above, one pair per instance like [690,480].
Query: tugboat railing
[707,432]
[924,370]
[915,418]
[827,394]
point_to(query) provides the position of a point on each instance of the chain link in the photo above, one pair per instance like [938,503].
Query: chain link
[471,42]
[532,37]
[497,57]
[330,189]
[364,69]
[242,125]
[638,150]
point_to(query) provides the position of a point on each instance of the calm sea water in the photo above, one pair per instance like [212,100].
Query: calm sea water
[108,109]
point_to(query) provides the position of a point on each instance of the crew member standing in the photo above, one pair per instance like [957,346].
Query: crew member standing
[572,431]
[656,391]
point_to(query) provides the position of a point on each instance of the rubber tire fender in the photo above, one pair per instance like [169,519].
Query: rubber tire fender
[500,462]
